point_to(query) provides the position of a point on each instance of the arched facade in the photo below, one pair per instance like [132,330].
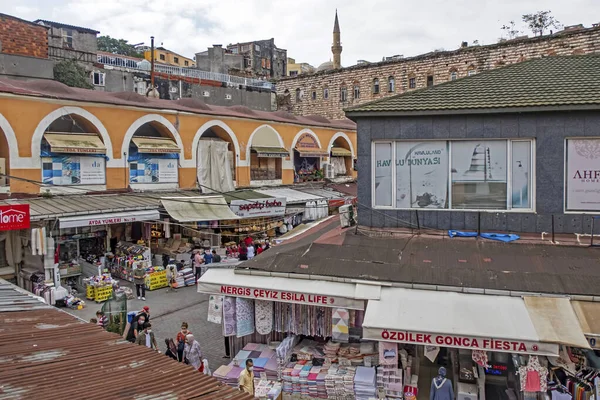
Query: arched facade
[223,126]
[346,138]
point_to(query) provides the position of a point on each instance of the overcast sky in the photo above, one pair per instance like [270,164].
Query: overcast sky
[370,29]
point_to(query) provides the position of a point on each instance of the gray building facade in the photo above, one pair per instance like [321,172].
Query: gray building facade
[68,42]
[262,58]
[220,60]
[502,167]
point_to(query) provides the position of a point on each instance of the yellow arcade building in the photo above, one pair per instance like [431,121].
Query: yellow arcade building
[58,139]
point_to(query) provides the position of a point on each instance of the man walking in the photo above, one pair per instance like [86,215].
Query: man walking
[146,337]
[246,379]
[139,278]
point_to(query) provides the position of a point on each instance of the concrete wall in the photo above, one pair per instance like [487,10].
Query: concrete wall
[84,49]
[549,132]
[117,81]
[19,67]
[239,97]
[216,59]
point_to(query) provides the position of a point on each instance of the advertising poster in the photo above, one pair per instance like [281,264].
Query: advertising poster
[421,174]
[583,174]
[383,174]
[153,170]
[74,170]
[521,172]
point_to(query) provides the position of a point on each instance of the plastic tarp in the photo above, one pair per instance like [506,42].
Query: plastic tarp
[214,168]
[339,165]
[197,209]
[503,237]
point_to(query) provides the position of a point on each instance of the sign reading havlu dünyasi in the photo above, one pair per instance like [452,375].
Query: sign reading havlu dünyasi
[14,217]
[267,207]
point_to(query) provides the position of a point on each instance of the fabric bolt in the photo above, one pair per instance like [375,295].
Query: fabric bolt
[340,324]
[215,309]
[229,318]
[264,316]
[244,310]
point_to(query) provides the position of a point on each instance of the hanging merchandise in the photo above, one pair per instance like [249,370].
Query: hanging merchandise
[229,321]
[244,314]
[388,353]
[431,352]
[302,319]
[215,309]
[264,316]
[533,376]
[480,357]
[340,323]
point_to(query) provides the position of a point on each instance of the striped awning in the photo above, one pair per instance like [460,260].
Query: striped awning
[340,152]
[88,143]
[155,145]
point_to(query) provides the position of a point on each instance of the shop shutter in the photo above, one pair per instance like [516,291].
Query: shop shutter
[3,262]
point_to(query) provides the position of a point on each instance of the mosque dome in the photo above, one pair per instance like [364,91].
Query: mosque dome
[326,66]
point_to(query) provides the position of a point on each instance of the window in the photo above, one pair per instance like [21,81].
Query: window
[391,84]
[412,83]
[298,94]
[264,168]
[325,93]
[162,57]
[256,47]
[453,75]
[268,64]
[343,94]
[471,72]
[247,62]
[356,92]
[375,86]
[67,35]
[234,50]
[293,73]
[263,63]
[582,175]
[313,95]
[186,63]
[429,80]
[176,60]
[98,78]
[455,175]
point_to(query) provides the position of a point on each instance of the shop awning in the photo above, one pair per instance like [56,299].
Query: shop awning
[197,209]
[555,321]
[108,219]
[88,143]
[311,152]
[459,320]
[292,196]
[155,145]
[286,290]
[588,314]
[270,152]
[340,152]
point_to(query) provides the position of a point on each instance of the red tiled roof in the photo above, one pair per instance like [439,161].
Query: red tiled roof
[53,89]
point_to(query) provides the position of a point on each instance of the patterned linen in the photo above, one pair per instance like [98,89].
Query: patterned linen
[229,320]
[215,309]
[339,325]
[264,316]
[244,310]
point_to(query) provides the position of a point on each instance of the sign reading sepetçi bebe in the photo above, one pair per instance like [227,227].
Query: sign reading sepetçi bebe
[291,297]
[461,342]
[268,207]
[14,217]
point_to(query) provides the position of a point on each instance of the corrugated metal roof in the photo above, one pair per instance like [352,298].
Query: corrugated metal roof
[13,298]
[325,193]
[292,196]
[51,352]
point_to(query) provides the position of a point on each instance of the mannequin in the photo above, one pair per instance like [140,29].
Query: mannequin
[441,387]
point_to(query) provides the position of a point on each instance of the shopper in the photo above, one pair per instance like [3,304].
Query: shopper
[215,257]
[181,340]
[146,337]
[246,379]
[145,311]
[259,248]
[192,353]
[102,319]
[208,257]
[171,349]
[248,241]
[171,278]
[251,251]
[243,252]
[137,325]
[139,278]
[198,261]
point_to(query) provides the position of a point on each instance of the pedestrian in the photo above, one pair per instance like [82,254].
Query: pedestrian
[171,278]
[251,251]
[145,311]
[180,338]
[198,261]
[248,241]
[246,379]
[171,349]
[146,337]
[267,246]
[215,257]
[208,257]
[243,252]
[259,248]
[102,319]
[137,325]
[192,353]
[165,259]
[139,278]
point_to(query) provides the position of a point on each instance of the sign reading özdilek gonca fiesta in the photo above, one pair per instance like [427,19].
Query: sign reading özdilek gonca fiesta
[268,207]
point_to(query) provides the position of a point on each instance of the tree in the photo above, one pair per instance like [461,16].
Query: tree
[117,46]
[511,30]
[72,74]
[540,22]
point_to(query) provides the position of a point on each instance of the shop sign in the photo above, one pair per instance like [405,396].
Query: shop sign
[290,297]
[307,141]
[252,208]
[108,219]
[154,170]
[74,170]
[14,217]
[461,342]
[583,175]
[498,369]
[594,342]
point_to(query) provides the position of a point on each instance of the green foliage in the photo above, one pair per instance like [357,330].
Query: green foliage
[117,46]
[72,74]
[541,21]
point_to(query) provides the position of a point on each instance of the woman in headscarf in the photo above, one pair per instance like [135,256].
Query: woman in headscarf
[192,353]
[441,388]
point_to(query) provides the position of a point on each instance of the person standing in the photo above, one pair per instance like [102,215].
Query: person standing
[192,353]
[136,327]
[171,349]
[248,241]
[198,261]
[441,388]
[215,257]
[181,340]
[172,278]
[243,255]
[246,379]
[251,251]
[139,278]
[102,319]
[259,248]
[146,337]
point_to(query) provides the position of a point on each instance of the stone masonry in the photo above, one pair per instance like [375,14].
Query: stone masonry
[22,38]
[304,95]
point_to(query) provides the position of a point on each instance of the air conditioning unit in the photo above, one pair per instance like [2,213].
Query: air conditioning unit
[227,97]
[328,171]
[206,93]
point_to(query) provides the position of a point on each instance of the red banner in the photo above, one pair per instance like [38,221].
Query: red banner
[14,217]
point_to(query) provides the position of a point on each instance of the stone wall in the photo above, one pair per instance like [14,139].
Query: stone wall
[438,65]
[22,38]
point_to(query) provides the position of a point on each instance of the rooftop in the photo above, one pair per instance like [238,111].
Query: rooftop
[21,20]
[67,26]
[57,90]
[65,356]
[548,83]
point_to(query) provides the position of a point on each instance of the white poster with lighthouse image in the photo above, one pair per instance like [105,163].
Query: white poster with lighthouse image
[422,174]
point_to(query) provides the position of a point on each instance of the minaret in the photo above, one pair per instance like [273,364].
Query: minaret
[336,49]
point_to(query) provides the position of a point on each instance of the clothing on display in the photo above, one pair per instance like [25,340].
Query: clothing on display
[533,376]
[302,319]
[480,357]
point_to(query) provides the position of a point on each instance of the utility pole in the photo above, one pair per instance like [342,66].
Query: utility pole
[152,61]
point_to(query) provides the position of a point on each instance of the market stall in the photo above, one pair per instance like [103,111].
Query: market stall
[100,288]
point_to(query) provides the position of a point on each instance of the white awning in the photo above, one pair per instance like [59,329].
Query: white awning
[449,319]
[155,145]
[286,290]
[588,313]
[108,219]
[292,196]
[195,209]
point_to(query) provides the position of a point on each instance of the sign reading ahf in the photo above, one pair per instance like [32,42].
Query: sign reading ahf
[14,217]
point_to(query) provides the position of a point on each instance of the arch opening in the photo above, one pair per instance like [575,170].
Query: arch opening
[341,157]
[216,160]
[307,153]
[266,152]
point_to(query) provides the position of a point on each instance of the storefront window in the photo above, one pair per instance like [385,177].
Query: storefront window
[458,175]
[264,168]
[582,181]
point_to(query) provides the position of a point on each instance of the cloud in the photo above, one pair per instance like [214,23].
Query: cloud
[369,30]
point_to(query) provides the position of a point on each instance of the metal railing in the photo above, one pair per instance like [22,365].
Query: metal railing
[144,65]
